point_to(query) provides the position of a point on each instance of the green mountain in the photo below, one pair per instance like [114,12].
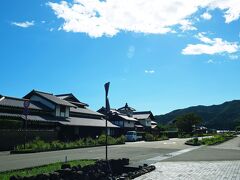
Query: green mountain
[223,116]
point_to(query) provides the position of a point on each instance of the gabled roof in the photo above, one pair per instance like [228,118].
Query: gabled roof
[126,108]
[143,115]
[102,110]
[127,118]
[50,97]
[12,102]
[71,98]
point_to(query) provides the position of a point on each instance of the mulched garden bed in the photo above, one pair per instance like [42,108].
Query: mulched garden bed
[101,170]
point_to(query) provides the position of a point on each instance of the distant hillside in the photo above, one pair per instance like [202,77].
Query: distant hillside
[223,116]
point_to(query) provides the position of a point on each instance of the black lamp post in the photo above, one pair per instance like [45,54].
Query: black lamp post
[107,113]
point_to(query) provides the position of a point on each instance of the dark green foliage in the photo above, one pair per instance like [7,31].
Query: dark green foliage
[237,128]
[151,137]
[193,142]
[185,122]
[223,116]
[10,124]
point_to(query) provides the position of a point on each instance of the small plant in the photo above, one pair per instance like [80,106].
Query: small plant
[149,137]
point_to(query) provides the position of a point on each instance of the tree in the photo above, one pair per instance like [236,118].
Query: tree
[186,122]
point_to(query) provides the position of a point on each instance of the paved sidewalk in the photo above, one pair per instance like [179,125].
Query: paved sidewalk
[203,170]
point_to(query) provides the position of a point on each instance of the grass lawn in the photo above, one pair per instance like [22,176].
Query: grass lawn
[42,169]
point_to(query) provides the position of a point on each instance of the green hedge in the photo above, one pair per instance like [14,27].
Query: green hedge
[39,145]
[151,137]
[216,139]
[10,124]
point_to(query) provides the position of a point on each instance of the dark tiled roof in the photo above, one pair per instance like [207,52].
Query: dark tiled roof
[84,111]
[18,103]
[102,110]
[42,118]
[71,98]
[76,121]
[126,108]
[54,99]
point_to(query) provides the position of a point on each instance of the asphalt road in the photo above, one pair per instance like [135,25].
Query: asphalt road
[229,150]
[136,151]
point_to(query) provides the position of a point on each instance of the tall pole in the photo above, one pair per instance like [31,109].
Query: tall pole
[107,113]
[25,134]
[26,105]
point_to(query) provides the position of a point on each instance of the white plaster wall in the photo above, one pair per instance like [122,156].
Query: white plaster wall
[129,124]
[67,111]
[57,112]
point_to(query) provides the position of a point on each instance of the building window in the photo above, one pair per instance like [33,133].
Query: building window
[62,111]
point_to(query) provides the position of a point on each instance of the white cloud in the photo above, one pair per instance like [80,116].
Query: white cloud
[107,18]
[25,24]
[210,61]
[231,8]
[206,16]
[186,25]
[149,71]
[99,18]
[210,46]
[131,52]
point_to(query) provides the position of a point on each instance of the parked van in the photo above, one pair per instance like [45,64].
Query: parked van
[131,136]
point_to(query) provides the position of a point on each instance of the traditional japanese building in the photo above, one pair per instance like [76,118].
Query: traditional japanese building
[128,119]
[63,115]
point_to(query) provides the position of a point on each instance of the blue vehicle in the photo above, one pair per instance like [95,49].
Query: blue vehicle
[131,136]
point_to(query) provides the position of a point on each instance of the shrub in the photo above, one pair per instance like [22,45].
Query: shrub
[121,140]
[149,137]
[101,139]
[89,141]
[182,135]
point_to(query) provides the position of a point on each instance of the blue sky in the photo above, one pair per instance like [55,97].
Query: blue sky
[158,55]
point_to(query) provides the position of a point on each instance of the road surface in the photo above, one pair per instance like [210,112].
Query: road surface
[136,151]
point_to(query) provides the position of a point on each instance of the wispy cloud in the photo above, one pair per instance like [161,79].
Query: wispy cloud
[233,57]
[107,18]
[210,61]
[210,46]
[25,24]
[131,52]
[149,71]
[206,16]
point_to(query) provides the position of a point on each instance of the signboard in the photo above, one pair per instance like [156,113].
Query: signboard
[26,104]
